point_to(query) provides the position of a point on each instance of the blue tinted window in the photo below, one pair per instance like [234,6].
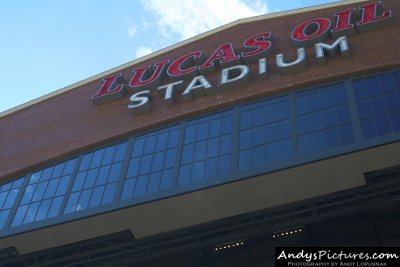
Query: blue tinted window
[8,195]
[377,110]
[99,171]
[207,141]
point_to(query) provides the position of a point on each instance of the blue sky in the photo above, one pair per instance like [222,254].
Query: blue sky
[47,44]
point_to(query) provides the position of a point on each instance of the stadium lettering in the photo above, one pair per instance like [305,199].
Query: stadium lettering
[192,68]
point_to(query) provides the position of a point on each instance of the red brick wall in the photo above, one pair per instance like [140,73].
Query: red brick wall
[69,123]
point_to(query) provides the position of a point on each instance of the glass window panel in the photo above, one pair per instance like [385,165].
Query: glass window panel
[360,89]
[18,183]
[258,136]
[19,216]
[55,207]
[129,188]
[133,167]
[90,179]
[202,131]
[330,118]
[378,106]
[340,95]
[184,174]
[387,83]
[346,132]
[173,139]
[284,129]
[392,102]
[108,155]
[43,209]
[141,185]
[79,181]
[166,179]
[69,167]
[224,164]
[158,162]
[197,171]
[395,120]
[332,137]
[226,125]
[215,128]
[6,187]
[109,193]
[383,125]
[3,196]
[364,110]
[258,116]
[120,152]
[30,190]
[328,99]
[103,175]
[145,165]
[225,144]
[246,139]
[170,158]
[138,147]
[85,162]
[258,156]
[190,134]
[63,185]
[211,168]
[302,124]
[245,120]
[114,172]
[301,105]
[396,78]
[31,212]
[368,128]
[187,153]
[72,201]
[58,169]
[46,174]
[315,121]
[162,141]
[154,182]
[51,188]
[35,177]
[310,143]
[3,218]
[97,195]
[84,200]
[314,102]
[12,195]
[200,150]
[343,115]
[150,144]
[286,150]
[212,147]
[283,110]
[245,159]
[373,86]
[96,159]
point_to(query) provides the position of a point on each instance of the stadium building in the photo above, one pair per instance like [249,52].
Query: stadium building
[277,130]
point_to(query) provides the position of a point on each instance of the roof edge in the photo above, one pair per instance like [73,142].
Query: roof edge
[175,46]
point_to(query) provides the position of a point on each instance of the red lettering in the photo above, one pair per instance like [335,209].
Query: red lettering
[370,20]
[311,31]
[224,54]
[107,89]
[141,78]
[344,26]
[261,43]
[178,67]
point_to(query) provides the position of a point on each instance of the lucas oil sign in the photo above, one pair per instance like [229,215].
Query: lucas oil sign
[187,75]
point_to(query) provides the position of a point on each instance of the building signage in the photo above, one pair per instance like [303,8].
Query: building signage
[187,74]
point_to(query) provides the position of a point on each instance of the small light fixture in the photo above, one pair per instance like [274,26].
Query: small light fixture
[287,232]
[229,245]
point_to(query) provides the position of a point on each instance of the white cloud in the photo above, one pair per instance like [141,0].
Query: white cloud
[192,17]
[132,29]
[142,51]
